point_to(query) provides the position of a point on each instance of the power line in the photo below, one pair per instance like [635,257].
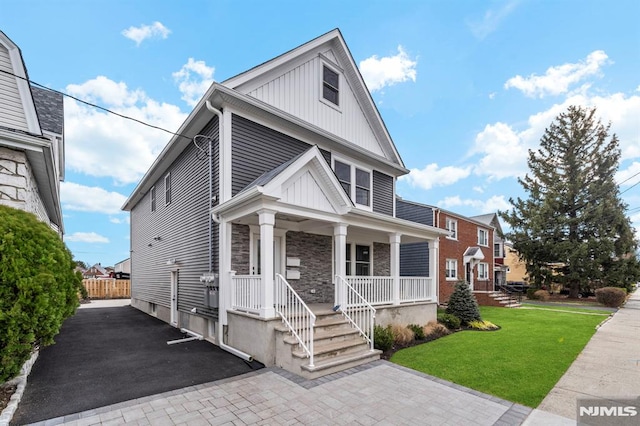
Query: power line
[95,106]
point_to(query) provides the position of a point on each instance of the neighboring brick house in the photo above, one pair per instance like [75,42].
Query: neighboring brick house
[283,200]
[466,254]
[31,141]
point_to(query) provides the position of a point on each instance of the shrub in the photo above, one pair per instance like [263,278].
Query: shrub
[452,322]
[611,296]
[541,295]
[435,330]
[417,331]
[382,338]
[462,304]
[402,335]
[483,325]
[38,287]
[531,293]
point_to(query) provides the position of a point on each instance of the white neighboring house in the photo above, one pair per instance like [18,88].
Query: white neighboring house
[271,229]
[31,140]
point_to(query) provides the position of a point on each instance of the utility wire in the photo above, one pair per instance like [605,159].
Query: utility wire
[95,106]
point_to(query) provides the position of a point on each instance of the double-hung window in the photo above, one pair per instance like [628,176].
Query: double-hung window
[330,85]
[483,237]
[452,226]
[483,271]
[153,198]
[167,189]
[358,261]
[451,269]
[355,181]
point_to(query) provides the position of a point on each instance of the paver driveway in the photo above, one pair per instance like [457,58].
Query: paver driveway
[107,355]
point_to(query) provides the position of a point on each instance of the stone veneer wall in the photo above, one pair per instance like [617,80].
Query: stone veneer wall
[240,249]
[18,186]
[381,260]
[314,252]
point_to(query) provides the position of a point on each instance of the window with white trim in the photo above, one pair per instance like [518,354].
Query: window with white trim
[167,189]
[497,250]
[153,198]
[452,226]
[483,237]
[330,85]
[356,181]
[483,271]
[451,269]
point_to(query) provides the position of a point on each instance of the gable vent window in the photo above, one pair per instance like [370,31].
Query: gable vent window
[167,189]
[330,85]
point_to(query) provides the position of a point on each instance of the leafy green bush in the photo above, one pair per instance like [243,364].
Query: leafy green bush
[611,296]
[417,331]
[382,337]
[463,304]
[531,292]
[541,295]
[452,322]
[38,287]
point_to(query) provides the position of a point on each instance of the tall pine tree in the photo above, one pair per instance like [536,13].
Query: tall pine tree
[573,228]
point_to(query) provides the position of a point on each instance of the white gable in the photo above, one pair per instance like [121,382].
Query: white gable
[304,190]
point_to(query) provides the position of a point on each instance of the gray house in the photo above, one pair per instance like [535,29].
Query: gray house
[269,225]
[31,140]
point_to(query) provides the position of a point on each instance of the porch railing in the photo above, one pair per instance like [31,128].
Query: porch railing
[416,289]
[295,314]
[375,290]
[245,293]
[356,309]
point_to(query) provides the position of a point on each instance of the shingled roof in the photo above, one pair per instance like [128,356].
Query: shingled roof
[50,108]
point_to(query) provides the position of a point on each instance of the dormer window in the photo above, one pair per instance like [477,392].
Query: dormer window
[330,85]
[356,182]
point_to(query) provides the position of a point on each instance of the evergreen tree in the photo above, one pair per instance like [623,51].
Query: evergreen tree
[573,228]
[463,304]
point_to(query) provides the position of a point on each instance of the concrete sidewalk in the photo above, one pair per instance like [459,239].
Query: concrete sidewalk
[608,367]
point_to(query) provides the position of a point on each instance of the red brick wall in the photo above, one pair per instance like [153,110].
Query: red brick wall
[454,249]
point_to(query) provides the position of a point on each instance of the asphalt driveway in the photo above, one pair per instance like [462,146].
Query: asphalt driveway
[108,355]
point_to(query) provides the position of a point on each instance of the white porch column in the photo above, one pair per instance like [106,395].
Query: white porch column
[266,219]
[434,262]
[394,242]
[224,268]
[340,261]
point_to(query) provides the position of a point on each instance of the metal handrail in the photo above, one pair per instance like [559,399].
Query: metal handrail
[291,308]
[356,309]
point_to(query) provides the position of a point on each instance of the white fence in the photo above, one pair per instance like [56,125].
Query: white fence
[245,293]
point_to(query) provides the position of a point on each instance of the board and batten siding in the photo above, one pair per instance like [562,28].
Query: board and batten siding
[257,149]
[183,228]
[382,197]
[12,113]
[297,92]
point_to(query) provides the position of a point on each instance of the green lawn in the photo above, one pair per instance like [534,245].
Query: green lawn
[520,363]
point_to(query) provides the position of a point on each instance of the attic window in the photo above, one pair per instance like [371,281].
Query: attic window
[330,85]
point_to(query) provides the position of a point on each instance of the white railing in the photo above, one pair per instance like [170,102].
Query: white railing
[295,314]
[375,290]
[416,289]
[245,293]
[356,309]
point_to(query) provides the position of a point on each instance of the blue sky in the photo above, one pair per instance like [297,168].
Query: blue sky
[464,87]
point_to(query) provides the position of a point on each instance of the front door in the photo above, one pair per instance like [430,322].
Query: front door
[277,256]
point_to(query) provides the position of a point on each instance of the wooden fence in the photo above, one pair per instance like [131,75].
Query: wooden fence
[107,288]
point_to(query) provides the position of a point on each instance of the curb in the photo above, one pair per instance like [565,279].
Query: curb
[21,382]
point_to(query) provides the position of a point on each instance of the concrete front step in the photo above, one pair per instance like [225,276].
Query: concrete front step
[339,363]
[332,335]
[328,349]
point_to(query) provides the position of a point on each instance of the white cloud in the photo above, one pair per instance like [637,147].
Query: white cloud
[90,199]
[478,189]
[504,152]
[491,20]
[143,32]
[493,204]
[194,78]
[630,175]
[432,175]
[558,79]
[101,144]
[86,237]
[388,70]
[492,95]
[120,221]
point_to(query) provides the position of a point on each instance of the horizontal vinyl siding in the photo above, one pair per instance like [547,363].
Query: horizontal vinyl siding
[382,193]
[414,260]
[11,108]
[183,227]
[414,212]
[257,149]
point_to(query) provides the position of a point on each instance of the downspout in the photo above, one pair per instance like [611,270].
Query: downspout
[221,299]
